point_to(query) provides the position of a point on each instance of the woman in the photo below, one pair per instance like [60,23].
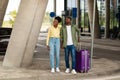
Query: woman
[53,43]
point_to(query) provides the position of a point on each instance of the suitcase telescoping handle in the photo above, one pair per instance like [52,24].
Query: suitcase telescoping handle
[79,46]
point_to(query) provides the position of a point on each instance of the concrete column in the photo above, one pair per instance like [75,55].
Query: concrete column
[90,13]
[25,33]
[3,6]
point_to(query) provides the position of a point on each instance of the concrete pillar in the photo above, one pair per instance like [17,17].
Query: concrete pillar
[25,33]
[3,6]
[90,13]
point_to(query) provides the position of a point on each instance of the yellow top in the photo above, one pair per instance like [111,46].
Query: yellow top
[53,32]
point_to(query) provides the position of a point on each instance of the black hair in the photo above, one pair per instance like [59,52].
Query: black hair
[69,17]
[58,18]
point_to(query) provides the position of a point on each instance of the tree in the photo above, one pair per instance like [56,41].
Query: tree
[12,17]
[107,18]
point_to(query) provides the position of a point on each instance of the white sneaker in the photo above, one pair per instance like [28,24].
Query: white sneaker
[57,70]
[73,71]
[67,70]
[52,70]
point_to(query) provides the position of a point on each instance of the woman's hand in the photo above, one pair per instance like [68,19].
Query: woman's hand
[78,39]
[48,47]
[61,47]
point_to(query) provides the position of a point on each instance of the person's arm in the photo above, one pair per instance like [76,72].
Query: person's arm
[47,40]
[78,33]
[61,37]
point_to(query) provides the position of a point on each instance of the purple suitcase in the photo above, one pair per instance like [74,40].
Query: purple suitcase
[82,61]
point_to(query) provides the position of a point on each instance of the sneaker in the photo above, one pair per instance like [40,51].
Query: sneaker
[52,70]
[67,70]
[73,72]
[57,70]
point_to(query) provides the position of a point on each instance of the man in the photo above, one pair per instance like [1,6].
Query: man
[69,41]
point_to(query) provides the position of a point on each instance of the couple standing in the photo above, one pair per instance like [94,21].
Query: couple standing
[65,37]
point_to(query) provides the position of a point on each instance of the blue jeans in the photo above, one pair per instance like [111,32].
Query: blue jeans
[70,49]
[54,44]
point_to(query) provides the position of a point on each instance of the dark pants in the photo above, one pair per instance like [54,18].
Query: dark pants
[70,50]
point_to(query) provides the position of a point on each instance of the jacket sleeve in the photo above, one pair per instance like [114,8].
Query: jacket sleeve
[78,31]
[61,37]
[61,34]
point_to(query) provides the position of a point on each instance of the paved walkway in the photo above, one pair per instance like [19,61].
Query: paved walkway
[106,64]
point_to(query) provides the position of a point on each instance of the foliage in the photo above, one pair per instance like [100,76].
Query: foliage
[84,20]
[113,20]
[47,18]
[6,24]
[12,17]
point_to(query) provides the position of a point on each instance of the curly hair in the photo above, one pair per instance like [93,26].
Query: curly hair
[58,18]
